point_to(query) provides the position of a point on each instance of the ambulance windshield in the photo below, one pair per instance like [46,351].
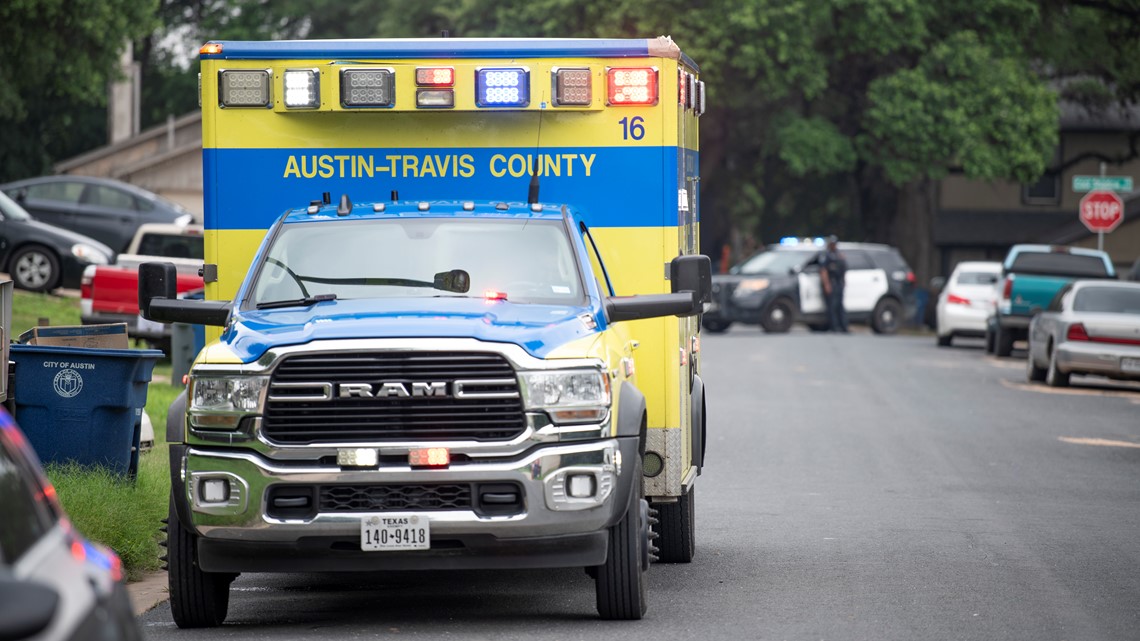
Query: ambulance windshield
[527,261]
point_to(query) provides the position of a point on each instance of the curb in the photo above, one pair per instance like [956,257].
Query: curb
[148,592]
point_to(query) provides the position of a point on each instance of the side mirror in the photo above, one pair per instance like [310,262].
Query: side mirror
[26,608]
[692,274]
[626,308]
[158,299]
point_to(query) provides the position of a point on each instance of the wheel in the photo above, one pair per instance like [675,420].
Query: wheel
[1032,372]
[818,327]
[1003,342]
[715,325]
[35,268]
[887,317]
[778,316]
[989,342]
[1053,376]
[619,583]
[944,341]
[677,527]
[197,599]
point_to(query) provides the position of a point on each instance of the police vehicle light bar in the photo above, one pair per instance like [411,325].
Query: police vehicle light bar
[302,89]
[244,88]
[631,86]
[502,87]
[572,87]
[367,88]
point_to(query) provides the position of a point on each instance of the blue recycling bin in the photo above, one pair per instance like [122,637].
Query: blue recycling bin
[82,404]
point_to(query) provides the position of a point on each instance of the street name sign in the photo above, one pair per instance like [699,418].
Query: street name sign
[1102,183]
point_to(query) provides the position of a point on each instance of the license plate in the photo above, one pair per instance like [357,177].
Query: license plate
[386,533]
[1130,365]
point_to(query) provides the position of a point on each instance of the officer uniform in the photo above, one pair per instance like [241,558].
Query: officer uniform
[835,265]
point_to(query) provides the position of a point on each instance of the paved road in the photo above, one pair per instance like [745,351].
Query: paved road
[859,487]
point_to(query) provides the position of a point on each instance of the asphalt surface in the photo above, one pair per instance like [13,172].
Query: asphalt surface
[858,487]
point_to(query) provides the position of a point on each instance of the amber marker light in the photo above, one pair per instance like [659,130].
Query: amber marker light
[210,49]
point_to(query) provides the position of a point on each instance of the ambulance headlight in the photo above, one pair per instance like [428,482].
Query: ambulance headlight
[568,396]
[219,402]
[502,87]
[367,88]
[572,87]
[244,88]
[302,89]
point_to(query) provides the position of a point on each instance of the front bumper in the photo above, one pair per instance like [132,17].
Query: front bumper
[548,529]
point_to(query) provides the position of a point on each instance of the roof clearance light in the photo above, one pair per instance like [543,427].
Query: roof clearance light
[210,49]
[632,86]
[502,87]
[366,88]
[302,89]
[572,87]
[435,77]
[244,88]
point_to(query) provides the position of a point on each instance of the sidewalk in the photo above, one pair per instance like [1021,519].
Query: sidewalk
[148,592]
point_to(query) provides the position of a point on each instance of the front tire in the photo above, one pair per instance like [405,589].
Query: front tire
[619,583]
[944,341]
[778,316]
[678,528]
[887,317]
[1033,374]
[35,268]
[715,325]
[198,599]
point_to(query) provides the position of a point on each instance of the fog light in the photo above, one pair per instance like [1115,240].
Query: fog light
[652,464]
[580,486]
[215,491]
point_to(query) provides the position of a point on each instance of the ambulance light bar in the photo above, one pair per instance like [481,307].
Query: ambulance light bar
[435,77]
[631,86]
[367,88]
[438,98]
[244,88]
[302,89]
[572,87]
[502,87]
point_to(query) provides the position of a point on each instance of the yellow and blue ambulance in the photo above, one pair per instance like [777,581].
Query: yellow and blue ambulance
[470,340]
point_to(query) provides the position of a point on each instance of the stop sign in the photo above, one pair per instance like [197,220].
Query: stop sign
[1101,210]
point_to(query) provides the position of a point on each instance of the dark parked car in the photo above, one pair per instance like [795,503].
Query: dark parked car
[54,584]
[107,210]
[781,284]
[41,257]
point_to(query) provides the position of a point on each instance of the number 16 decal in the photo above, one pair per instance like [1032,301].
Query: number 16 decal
[632,128]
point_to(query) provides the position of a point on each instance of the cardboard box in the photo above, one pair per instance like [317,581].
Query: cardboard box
[109,336]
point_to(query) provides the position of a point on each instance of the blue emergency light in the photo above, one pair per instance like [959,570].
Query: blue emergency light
[502,87]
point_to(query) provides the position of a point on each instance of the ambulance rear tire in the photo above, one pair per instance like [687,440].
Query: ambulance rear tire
[619,583]
[677,525]
[198,599]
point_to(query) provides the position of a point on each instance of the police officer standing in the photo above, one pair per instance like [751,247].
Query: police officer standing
[833,268]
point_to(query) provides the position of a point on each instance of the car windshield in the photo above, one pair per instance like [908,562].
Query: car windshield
[977,278]
[528,261]
[774,262]
[11,209]
[1110,300]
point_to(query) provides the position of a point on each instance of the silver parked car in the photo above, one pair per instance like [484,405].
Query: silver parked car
[1091,327]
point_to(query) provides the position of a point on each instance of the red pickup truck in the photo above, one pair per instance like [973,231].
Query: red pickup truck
[110,293]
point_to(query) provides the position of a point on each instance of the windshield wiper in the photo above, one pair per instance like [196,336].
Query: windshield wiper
[297,302]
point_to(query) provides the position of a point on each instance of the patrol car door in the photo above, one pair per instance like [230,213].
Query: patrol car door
[864,284]
[811,290]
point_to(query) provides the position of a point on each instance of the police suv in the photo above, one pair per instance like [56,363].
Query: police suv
[781,284]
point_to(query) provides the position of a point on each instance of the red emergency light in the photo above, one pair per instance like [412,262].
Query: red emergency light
[634,86]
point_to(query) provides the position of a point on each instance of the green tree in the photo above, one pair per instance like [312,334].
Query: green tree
[56,57]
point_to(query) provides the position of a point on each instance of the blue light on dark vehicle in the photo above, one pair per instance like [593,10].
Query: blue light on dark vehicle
[502,87]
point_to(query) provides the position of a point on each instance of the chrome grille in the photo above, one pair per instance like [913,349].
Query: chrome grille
[378,498]
[301,408]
